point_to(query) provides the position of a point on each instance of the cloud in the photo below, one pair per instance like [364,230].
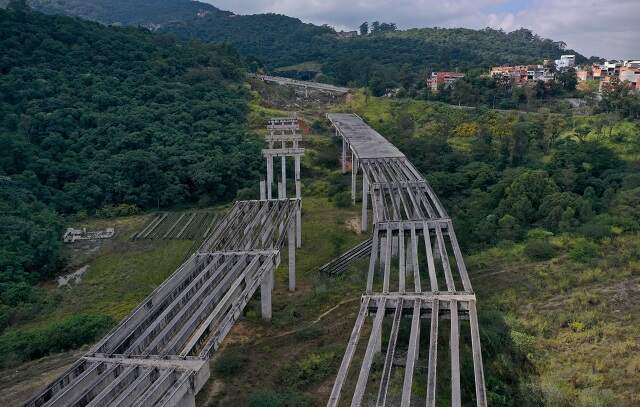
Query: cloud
[610,29]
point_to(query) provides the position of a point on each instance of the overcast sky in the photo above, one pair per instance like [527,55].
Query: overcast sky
[609,28]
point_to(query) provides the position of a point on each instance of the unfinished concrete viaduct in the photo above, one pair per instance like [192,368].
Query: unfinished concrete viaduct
[159,355]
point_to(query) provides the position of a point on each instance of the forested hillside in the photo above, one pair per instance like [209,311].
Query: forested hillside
[126,12]
[392,58]
[100,120]
[383,59]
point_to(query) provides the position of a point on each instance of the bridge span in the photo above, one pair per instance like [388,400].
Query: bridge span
[416,272]
[159,354]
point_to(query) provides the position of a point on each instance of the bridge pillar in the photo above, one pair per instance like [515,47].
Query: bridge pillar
[263,192]
[269,176]
[344,154]
[365,203]
[284,176]
[291,234]
[265,295]
[299,196]
[354,179]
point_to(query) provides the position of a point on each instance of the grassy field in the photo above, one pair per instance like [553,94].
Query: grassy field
[575,316]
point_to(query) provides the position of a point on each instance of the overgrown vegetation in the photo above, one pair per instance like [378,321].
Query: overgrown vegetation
[98,120]
[71,333]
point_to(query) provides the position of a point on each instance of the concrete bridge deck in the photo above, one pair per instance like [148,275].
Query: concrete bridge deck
[416,270]
[158,355]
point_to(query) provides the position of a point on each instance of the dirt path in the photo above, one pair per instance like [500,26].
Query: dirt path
[309,325]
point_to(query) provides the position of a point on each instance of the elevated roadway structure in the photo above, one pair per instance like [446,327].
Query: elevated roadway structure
[416,275]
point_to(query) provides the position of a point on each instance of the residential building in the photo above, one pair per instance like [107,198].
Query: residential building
[347,34]
[630,75]
[440,80]
[565,61]
[521,74]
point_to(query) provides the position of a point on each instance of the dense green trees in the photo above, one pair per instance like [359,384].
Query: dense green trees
[515,174]
[373,59]
[93,117]
[125,12]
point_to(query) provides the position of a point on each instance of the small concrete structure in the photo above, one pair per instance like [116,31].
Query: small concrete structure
[72,235]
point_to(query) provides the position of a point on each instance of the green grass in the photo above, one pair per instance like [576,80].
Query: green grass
[121,272]
[577,318]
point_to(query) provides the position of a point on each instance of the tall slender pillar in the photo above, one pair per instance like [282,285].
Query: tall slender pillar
[297,176]
[269,176]
[281,190]
[263,191]
[344,154]
[354,179]
[266,287]
[284,176]
[299,226]
[291,234]
[365,203]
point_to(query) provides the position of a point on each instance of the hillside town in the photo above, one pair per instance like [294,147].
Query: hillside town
[520,75]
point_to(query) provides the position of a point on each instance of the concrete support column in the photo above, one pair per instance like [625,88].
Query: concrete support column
[263,191]
[291,234]
[297,176]
[436,249]
[269,176]
[344,154]
[284,176]
[354,177]
[299,227]
[280,190]
[265,295]
[365,203]
[394,246]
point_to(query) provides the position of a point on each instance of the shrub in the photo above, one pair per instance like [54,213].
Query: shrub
[230,363]
[312,369]
[583,250]
[342,199]
[595,230]
[71,333]
[539,249]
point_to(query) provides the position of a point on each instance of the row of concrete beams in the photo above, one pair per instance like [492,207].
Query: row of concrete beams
[323,87]
[412,244]
[186,318]
[434,308]
[97,382]
[410,225]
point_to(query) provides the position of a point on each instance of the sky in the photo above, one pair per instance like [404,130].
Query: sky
[609,28]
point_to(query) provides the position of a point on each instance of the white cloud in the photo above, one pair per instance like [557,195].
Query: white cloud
[610,29]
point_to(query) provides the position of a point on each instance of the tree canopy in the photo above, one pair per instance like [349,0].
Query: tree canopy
[93,117]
